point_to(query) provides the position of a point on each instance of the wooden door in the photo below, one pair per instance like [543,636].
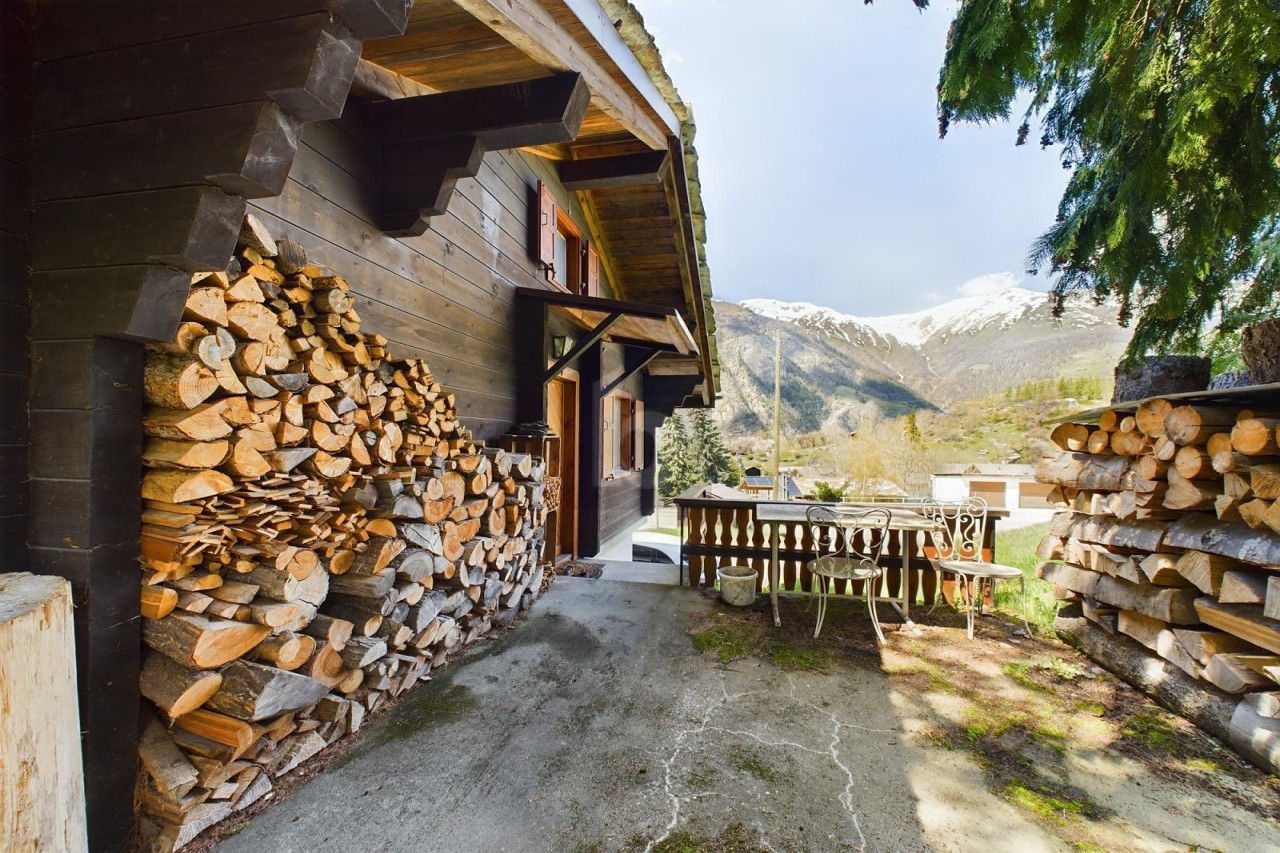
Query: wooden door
[562,415]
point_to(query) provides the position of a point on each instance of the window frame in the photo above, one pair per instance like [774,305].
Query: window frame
[566,228]
[622,410]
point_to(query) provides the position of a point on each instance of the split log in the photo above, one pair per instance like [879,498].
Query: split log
[174,688]
[254,692]
[1202,643]
[330,630]
[200,642]
[203,423]
[1205,571]
[1244,621]
[362,651]
[1243,587]
[1082,471]
[1265,481]
[158,601]
[194,455]
[1266,704]
[1235,673]
[1234,540]
[177,486]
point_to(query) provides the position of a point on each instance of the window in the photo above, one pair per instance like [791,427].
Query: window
[569,261]
[566,263]
[623,439]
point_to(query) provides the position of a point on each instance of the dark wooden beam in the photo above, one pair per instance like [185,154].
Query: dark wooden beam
[633,360]
[512,115]
[531,349]
[426,143]
[626,170]
[593,337]
[418,179]
[245,149]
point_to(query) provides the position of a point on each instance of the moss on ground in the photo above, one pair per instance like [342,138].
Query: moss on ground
[734,636]
[752,762]
[734,838]
[1043,804]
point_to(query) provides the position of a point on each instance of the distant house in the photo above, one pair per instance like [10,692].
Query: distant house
[758,485]
[1002,486]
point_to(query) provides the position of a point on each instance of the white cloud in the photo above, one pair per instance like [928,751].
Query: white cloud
[933,297]
[992,282]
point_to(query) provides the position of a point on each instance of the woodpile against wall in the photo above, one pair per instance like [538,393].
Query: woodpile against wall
[1171,536]
[319,532]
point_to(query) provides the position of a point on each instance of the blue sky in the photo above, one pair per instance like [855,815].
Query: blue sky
[822,172]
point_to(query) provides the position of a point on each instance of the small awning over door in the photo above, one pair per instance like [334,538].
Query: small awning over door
[648,331]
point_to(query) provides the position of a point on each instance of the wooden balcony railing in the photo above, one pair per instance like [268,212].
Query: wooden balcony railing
[715,533]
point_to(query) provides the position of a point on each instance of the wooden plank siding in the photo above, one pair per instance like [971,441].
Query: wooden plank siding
[447,296]
[15,225]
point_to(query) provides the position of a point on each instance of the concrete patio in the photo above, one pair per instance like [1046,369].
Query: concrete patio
[597,724]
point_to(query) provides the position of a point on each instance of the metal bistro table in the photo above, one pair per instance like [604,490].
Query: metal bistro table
[902,521]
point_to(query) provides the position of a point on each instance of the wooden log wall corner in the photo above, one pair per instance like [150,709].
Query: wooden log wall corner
[149,131]
[1170,536]
[427,143]
[319,532]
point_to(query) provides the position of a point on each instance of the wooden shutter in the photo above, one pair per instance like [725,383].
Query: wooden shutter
[608,463]
[637,421]
[545,248]
[591,272]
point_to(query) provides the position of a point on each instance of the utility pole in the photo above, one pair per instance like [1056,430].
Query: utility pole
[777,415]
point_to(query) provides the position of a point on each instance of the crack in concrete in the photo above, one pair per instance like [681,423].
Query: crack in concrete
[704,726]
[846,798]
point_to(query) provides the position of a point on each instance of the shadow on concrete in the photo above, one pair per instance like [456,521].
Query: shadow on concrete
[598,725]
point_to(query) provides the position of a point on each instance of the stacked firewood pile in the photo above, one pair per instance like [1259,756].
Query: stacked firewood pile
[319,532]
[1171,536]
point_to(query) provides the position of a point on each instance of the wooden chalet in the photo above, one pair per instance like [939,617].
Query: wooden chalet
[508,186]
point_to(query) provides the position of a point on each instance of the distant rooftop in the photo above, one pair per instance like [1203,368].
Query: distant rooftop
[985,469]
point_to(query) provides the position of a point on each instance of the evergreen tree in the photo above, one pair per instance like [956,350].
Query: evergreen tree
[675,458]
[712,462]
[1168,115]
[913,430]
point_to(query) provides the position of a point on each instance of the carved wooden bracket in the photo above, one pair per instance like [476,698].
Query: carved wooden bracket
[427,143]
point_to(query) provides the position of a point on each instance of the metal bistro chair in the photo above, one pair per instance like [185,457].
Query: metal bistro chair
[848,548]
[958,542]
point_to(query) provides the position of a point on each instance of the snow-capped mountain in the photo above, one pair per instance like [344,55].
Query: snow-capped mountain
[970,314]
[837,363]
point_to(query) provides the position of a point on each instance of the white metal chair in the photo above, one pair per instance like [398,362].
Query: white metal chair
[958,543]
[848,545]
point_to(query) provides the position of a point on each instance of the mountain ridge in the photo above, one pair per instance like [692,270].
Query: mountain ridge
[837,364]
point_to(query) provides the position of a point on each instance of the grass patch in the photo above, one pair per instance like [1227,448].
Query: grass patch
[1018,671]
[734,636]
[1017,548]
[729,639]
[1042,804]
[732,839]
[1021,672]
[1153,732]
[790,657]
[670,531]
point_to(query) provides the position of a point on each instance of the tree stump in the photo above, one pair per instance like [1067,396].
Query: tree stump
[1260,348]
[1158,376]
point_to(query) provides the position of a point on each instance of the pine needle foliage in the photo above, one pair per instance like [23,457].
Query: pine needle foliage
[693,451]
[1167,112]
